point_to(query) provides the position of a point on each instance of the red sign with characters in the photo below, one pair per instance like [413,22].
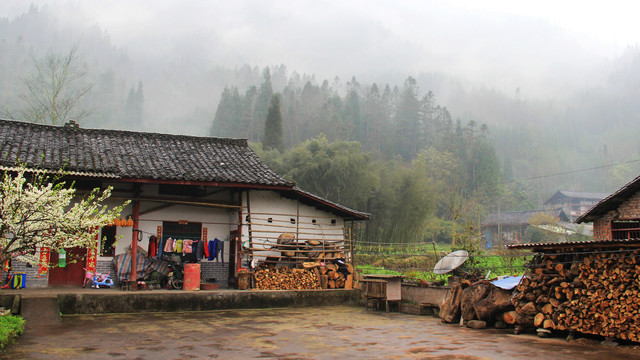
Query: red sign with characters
[43,264]
[92,254]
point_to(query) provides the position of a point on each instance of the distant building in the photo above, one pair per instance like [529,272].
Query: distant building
[508,227]
[573,203]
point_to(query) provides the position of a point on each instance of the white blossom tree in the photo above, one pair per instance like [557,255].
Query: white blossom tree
[42,212]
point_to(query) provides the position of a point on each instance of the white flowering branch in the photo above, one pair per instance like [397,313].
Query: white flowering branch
[43,213]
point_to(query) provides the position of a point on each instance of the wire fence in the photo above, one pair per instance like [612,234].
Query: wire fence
[419,259]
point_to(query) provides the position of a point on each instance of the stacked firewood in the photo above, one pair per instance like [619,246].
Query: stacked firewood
[595,293]
[312,250]
[478,304]
[285,278]
[313,275]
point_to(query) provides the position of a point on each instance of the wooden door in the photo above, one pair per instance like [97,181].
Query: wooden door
[73,273]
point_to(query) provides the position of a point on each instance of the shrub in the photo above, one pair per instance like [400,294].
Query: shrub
[10,327]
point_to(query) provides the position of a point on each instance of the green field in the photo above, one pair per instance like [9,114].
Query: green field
[417,261]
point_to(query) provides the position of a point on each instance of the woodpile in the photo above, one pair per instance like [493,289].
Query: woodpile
[311,250]
[594,293]
[285,278]
[477,304]
[313,275]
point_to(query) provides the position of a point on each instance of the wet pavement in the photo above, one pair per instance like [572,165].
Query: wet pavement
[337,332]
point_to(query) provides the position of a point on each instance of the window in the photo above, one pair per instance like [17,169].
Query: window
[333,221]
[108,241]
[625,229]
[176,230]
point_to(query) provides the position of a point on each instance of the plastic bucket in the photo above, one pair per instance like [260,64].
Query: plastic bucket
[191,277]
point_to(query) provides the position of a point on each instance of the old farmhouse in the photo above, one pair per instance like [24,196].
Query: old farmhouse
[574,203]
[508,227]
[183,190]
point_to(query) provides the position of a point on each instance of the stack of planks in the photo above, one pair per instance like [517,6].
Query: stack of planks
[477,304]
[594,293]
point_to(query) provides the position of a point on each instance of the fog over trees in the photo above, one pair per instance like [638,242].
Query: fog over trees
[429,137]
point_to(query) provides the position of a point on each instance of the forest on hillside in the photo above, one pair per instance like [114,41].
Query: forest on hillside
[428,154]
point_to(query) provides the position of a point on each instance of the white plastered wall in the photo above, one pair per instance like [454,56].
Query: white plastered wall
[272,215]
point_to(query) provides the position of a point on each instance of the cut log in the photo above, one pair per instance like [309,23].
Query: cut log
[510,317]
[477,324]
[529,309]
[501,298]
[450,309]
[324,281]
[548,324]
[348,284]
[485,310]
[538,319]
[466,304]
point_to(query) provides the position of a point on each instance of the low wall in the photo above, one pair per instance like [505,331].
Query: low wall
[418,295]
[200,301]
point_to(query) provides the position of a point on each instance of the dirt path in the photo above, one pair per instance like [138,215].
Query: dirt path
[292,333]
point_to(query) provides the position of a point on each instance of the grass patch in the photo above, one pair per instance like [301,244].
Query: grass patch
[11,326]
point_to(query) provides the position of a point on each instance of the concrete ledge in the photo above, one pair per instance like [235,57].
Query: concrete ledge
[133,302]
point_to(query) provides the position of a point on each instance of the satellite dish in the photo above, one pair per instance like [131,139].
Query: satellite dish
[451,262]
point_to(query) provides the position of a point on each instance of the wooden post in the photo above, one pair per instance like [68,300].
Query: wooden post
[134,241]
[249,228]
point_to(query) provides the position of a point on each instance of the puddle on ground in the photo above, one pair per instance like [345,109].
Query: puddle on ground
[301,333]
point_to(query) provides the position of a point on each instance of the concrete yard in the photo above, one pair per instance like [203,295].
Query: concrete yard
[326,332]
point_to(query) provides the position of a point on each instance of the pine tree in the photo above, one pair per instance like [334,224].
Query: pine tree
[273,126]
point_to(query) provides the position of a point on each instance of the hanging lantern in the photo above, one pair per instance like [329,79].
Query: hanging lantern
[130,222]
[119,222]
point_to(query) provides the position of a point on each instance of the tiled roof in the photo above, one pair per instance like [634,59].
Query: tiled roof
[576,195]
[133,155]
[521,217]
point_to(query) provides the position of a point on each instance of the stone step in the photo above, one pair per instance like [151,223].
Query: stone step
[40,311]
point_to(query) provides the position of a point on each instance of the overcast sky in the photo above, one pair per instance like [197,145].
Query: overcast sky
[503,43]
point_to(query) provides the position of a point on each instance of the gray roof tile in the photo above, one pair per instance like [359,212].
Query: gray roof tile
[138,155]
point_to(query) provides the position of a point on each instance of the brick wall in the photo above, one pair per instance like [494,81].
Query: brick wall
[217,270]
[629,209]
[32,281]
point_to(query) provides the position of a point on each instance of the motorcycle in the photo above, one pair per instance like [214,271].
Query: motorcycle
[175,278]
[97,280]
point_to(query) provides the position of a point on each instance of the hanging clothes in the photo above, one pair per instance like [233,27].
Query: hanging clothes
[187,247]
[205,244]
[160,248]
[178,246]
[169,246]
[153,245]
[199,249]
[220,251]
[212,249]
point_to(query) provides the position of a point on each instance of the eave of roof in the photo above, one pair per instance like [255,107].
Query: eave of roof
[576,195]
[520,218]
[580,245]
[611,202]
[316,200]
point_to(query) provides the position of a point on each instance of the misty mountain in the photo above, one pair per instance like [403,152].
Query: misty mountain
[551,104]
